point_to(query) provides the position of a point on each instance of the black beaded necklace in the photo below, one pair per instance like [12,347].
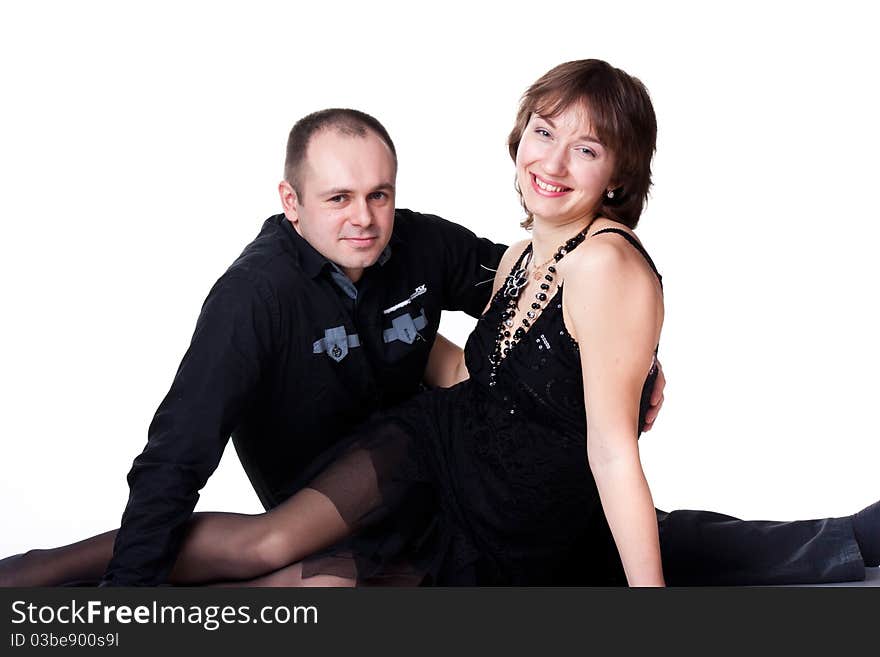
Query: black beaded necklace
[513,287]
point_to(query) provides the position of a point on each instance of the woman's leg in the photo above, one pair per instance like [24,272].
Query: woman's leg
[225,546]
[293,576]
[361,484]
[217,546]
[82,562]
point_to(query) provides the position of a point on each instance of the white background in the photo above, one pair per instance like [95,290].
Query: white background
[140,149]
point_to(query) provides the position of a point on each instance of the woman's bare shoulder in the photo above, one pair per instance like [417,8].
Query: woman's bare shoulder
[609,283]
[608,255]
[510,256]
[515,249]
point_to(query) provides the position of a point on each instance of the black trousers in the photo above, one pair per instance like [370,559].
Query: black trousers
[703,548]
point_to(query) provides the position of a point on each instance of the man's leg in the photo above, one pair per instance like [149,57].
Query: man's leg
[702,548]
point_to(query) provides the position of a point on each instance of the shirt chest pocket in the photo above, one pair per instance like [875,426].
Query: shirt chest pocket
[406,327]
[405,333]
[336,343]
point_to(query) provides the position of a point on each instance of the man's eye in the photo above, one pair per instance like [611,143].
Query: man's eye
[378,196]
[339,198]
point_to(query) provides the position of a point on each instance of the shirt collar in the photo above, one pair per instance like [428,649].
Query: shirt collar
[312,262]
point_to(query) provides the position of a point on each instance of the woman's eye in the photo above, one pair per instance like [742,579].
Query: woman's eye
[588,152]
[542,132]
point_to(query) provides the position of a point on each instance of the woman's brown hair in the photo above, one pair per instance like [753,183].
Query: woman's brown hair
[622,117]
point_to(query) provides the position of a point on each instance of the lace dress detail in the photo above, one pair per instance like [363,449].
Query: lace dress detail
[475,484]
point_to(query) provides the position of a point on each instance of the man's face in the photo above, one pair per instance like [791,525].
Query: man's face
[345,209]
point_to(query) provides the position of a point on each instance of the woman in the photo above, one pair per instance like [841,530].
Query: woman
[502,459]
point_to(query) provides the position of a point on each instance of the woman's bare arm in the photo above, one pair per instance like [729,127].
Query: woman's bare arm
[614,303]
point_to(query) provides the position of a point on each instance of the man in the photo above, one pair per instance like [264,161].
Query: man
[329,315]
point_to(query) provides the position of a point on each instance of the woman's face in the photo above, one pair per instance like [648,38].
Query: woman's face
[562,168]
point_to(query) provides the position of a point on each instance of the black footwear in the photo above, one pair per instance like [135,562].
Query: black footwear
[866,524]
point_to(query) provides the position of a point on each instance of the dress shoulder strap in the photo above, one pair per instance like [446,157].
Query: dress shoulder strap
[632,240]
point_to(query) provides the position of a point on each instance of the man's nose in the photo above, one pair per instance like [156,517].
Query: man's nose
[361,214]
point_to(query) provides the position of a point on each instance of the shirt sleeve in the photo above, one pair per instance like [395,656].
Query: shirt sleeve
[469,268]
[217,377]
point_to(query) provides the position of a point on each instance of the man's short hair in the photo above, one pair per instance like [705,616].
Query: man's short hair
[349,122]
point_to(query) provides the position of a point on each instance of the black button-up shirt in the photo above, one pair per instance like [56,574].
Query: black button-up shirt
[288,355]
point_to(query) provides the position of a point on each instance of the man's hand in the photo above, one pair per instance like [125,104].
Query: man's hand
[656,399]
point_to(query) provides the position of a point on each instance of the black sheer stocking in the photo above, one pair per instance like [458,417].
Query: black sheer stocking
[293,576]
[217,547]
[78,563]
[361,482]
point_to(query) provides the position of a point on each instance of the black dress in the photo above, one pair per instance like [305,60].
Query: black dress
[475,484]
